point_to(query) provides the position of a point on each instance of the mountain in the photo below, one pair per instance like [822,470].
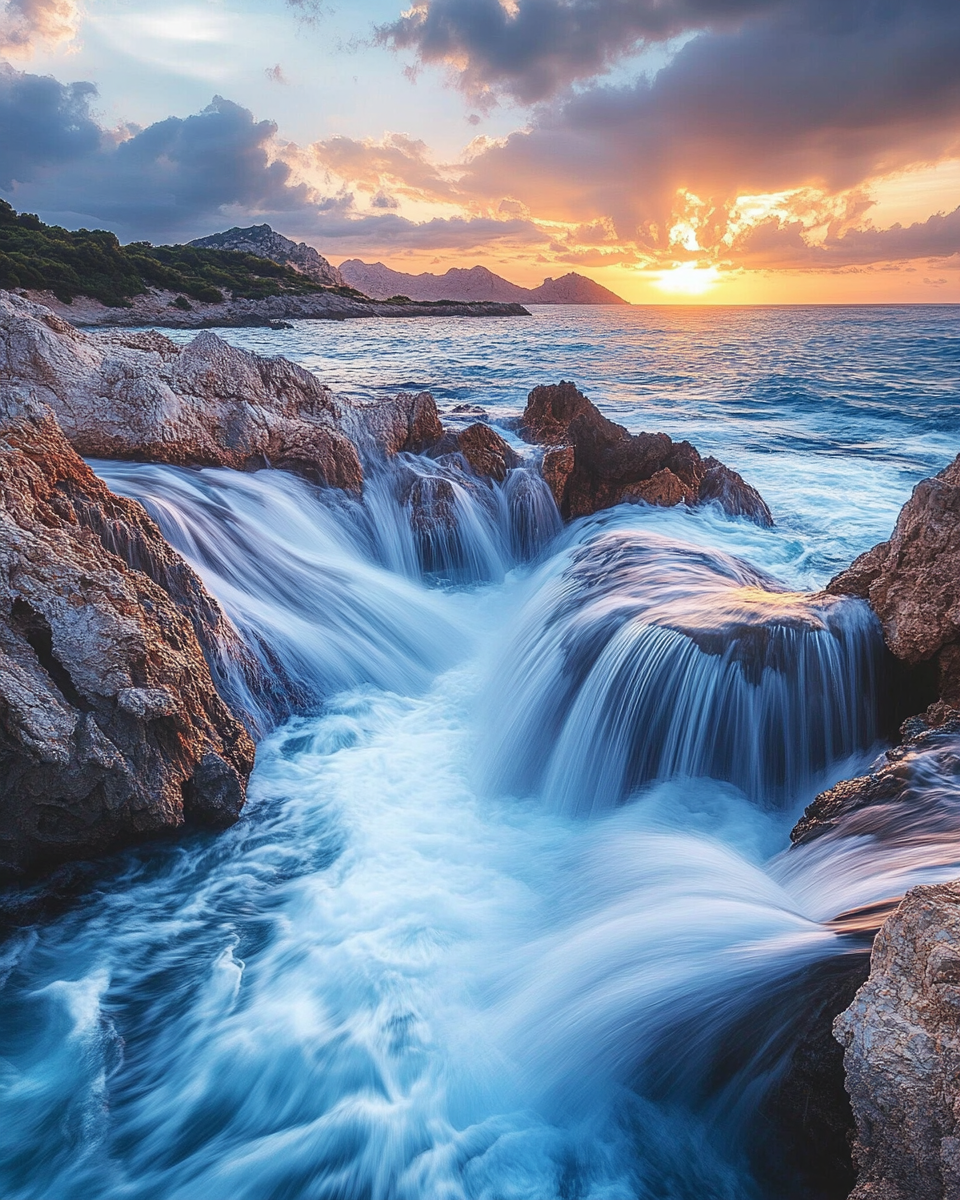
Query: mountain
[262,241]
[477,283]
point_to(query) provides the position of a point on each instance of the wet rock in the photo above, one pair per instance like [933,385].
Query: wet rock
[406,422]
[901,1039]
[138,395]
[484,450]
[912,581]
[892,782]
[111,727]
[596,463]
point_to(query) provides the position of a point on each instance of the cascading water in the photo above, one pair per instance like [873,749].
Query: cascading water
[392,980]
[643,658]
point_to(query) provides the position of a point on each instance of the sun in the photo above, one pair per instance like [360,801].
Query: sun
[687,279]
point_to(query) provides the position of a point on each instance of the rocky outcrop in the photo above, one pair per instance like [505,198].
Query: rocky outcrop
[592,463]
[406,422]
[264,242]
[111,727]
[912,581]
[485,452]
[172,309]
[893,784]
[901,1038]
[138,395]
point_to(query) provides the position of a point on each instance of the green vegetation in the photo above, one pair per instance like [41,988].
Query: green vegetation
[91,262]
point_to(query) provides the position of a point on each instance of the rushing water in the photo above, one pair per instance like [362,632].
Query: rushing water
[510,912]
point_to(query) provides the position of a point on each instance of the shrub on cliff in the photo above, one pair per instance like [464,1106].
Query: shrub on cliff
[92,263]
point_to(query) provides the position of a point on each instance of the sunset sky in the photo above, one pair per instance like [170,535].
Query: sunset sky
[719,151]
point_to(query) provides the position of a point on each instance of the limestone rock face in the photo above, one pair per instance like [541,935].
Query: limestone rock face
[138,395]
[265,242]
[913,580]
[111,728]
[595,463]
[901,1038]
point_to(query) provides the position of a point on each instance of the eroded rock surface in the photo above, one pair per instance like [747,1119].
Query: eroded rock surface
[111,728]
[913,580]
[138,395]
[593,463]
[901,1038]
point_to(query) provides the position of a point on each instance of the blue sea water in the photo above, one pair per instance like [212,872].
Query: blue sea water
[442,954]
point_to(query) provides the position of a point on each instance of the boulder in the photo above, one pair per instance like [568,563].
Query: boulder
[912,581]
[901,1039]
[138,395]
[111,726]
[483,449]
[593,463]
[406,422]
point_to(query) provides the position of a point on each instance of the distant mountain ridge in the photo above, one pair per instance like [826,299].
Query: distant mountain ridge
[380,282]
[264,242]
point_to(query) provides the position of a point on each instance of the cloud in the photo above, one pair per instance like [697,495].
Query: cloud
[181,177]
[821,92]
[26,25]
[783,245]
[398,160]
[532,48]
[275,74]
[43,124]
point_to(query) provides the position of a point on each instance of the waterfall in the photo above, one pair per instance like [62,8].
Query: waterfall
[398,977]
[644,658]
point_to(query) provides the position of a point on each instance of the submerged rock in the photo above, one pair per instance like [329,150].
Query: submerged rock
[111,727]
[594,463]
[901,1038]
[912,581]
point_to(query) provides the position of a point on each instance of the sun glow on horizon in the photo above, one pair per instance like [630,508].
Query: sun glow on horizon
[687,279]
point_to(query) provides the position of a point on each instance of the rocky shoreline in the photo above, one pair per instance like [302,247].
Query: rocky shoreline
[120,719]
[172,311]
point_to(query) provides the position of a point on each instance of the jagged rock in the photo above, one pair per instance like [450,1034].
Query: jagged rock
[405,422]
[596,463]
[901,1038]
[111,728]
[912,581]
[483,449]
[138,395]
[264,242]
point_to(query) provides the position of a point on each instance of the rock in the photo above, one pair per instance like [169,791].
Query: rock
[265,242]
[893,782]
[597,463]
[901,1039]
[138,395]
[111,727]
[912,581]
[484,450]
[407,422]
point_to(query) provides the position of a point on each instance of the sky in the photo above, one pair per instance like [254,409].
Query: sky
[677,151]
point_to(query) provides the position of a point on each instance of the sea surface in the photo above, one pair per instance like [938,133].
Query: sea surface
[511,912]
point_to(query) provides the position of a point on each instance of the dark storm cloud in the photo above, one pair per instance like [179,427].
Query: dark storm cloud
[531,48]
[823,93]
[161,181]
[43,123]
